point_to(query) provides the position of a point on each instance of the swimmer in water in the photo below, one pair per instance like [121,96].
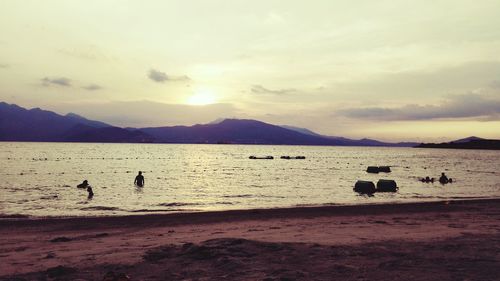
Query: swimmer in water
[91,193]
[84,184]
[139,180]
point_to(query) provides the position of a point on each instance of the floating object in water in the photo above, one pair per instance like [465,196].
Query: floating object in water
[293,157]
[364,187]
[427,180]
[387,186]
[261,157]
[379,169]
[384,169]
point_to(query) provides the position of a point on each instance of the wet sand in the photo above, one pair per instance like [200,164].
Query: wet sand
[453,240]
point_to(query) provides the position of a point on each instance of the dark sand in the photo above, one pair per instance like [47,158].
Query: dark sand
[457,240]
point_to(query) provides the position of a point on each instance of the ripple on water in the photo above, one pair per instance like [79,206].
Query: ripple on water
[101,208]
[178,204]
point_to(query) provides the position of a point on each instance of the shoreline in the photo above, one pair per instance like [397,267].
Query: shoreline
[193,217]
[445,240]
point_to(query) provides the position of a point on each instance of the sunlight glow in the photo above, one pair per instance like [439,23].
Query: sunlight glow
[202,97]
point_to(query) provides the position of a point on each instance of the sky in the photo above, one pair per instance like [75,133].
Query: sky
[390,70]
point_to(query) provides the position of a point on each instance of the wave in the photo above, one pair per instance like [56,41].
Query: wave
[239,196]
[178,204]
[101,208]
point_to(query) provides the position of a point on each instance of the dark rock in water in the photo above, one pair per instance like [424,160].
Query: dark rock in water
[60,270]
[387,186]
[384,169]
[364,187]
[372,169]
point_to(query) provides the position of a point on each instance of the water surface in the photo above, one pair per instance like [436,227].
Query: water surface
[39,179]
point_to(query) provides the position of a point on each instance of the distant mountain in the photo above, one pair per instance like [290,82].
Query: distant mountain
[301,130]
[83,133]
[465,140]
[466,143]
[85,121]
[20,124]
[236,131]
[351,142]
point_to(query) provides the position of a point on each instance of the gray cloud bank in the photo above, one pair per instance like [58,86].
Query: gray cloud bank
[160,77]
[459,106]
[259,89]
[60,81]
[92,87]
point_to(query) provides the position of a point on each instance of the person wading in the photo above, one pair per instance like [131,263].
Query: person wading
[139,180]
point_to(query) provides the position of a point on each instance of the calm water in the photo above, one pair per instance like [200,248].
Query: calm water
[39,179]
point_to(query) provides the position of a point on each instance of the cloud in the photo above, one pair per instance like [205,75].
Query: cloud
[458,106]
[161,77]
[495,84]
[60,81]
[92,87]
[259,89]
[4,65]
[87,52]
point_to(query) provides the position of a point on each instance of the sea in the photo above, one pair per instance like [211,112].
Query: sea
[40,179]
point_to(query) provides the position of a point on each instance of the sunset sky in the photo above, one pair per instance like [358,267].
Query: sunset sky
[389,70]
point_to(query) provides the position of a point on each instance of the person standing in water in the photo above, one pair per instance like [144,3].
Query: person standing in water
[443,179]
[139,180]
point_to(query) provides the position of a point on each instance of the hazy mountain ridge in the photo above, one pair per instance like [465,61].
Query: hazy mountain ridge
[351,142]
[20,124]
[466,143]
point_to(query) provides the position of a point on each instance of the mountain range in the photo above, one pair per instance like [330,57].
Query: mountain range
[466,143]
[21,124]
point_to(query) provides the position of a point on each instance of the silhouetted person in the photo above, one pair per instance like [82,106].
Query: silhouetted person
[91,193]
[443,179]
[84,184]
[139,180]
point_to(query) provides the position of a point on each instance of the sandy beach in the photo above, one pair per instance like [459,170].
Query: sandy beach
[448,240]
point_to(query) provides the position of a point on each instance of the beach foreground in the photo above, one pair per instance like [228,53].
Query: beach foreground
[452,240]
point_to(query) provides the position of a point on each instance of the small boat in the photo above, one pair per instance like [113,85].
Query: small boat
[261,157]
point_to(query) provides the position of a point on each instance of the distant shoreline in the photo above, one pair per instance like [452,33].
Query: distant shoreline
[473,144]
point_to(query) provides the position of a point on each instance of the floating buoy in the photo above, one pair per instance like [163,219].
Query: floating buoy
[387,186]
[384,169]
[261,157]
[364,187]
[292,157]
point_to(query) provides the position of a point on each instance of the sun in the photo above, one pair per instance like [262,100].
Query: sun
[202,97]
